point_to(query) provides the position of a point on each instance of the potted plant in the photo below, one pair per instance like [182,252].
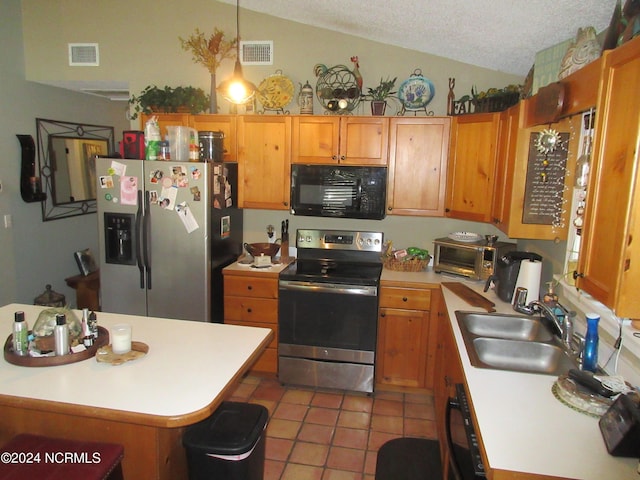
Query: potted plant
[169,100]
[378,95]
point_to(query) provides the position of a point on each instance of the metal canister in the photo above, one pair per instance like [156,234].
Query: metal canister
[211,147]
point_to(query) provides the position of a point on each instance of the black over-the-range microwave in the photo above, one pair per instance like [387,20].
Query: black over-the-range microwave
[339,191]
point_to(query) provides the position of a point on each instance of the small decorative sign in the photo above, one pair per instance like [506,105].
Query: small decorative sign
[543,197]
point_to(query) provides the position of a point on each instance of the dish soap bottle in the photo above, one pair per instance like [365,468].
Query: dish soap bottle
[590,353]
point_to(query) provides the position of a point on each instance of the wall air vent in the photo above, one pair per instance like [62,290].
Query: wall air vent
[84,55]
[256,53]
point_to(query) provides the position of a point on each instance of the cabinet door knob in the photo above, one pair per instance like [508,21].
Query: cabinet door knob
[383,314]
[249,310]
[342,157]
[404,299]
[334,157]
[577,275]
[249,287]
[390,208]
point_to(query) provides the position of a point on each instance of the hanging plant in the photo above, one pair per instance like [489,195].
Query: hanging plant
[210,53]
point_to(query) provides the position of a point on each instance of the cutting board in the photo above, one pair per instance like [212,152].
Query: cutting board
[470,296]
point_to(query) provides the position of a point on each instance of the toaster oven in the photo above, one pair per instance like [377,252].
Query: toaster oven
[476,261]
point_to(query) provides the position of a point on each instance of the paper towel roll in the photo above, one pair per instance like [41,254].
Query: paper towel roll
[529,278]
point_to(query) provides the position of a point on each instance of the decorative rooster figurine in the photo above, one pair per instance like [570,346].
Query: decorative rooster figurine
[356,72]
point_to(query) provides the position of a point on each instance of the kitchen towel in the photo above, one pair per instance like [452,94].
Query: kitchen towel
[529,278]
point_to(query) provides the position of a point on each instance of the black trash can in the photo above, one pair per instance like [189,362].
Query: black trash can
[229,445]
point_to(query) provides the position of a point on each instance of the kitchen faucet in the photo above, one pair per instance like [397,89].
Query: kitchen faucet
[565,329]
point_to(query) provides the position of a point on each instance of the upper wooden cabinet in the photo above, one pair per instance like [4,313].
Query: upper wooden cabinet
[219,123]
[512,168]
[205,122]
[418,157]
[609,261]
[165,120]
[264,161]
[472,161]
[347,140]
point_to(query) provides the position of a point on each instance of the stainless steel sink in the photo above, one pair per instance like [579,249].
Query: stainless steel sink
[512,342]
[511,327]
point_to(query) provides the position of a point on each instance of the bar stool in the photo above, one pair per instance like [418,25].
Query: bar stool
[29,456]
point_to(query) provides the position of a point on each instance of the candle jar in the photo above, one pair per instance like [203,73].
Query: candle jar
[121,338]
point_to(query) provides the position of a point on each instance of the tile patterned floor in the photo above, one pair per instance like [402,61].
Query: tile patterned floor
[318,434]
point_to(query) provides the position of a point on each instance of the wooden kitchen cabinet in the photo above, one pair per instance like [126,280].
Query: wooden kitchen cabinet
[511,175]
[204,122]
[165,120]
[448,372]
[404,332]
[252,300]
[348,140]
[264,161]
[219,123]
[418,158]
[609,260]
[472,162]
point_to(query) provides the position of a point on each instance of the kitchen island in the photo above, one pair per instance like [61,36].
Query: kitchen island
[525,432]
[144,404]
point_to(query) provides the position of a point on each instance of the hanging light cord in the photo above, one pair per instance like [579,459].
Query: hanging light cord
[617,347]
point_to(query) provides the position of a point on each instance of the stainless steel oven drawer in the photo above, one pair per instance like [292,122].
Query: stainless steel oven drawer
[341,376]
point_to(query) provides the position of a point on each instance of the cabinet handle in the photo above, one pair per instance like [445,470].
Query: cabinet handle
[249,287]
[334,157]
[286,204]
[383,314]
[404,299]
[390,208]
[577,275]
[249,310]
[342,157]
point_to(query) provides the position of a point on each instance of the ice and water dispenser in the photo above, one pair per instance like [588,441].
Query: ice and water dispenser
[120,238]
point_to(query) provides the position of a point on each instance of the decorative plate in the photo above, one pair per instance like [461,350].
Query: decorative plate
[465,237]
[416,92]
[276,91]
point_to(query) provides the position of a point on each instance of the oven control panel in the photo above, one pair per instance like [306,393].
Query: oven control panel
[340,240]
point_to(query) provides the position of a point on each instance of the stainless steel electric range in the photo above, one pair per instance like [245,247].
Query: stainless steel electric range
[328,310]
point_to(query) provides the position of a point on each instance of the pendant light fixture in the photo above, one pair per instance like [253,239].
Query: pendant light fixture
[237,89]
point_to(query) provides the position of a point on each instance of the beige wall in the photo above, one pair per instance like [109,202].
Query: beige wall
[139,45]
[34,253]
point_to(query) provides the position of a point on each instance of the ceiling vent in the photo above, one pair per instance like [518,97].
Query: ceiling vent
[84,55]
[256,53]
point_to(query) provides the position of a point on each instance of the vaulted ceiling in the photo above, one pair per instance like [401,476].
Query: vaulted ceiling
[502,35]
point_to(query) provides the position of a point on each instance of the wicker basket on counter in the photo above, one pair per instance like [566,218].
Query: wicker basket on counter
[411,265]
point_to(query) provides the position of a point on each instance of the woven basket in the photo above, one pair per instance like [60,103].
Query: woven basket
[413,265]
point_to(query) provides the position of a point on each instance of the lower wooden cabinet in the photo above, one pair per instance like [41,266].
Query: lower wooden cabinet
[406,338]
[447,372]
[252,300]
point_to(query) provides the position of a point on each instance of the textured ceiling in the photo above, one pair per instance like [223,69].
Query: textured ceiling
[501,35]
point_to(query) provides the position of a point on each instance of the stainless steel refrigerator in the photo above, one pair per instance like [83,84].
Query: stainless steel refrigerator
[166,231]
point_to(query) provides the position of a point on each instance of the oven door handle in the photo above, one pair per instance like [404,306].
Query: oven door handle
[370,291]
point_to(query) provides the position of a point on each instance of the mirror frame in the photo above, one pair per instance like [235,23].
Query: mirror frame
[46,128]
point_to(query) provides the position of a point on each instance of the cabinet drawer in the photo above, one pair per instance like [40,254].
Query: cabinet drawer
[410,298]
[274,341]
[251,286]
[248,309]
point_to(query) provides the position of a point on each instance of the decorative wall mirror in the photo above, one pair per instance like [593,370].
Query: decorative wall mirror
[66,153]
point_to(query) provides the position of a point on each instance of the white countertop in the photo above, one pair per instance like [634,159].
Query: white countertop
[189,365]
[524,428]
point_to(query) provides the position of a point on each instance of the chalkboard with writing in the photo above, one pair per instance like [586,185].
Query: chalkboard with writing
[545,183]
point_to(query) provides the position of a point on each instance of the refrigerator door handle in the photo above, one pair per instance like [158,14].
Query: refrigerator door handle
[146,230]
[139,239]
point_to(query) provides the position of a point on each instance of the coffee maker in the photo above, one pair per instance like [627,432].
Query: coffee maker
[505,277]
